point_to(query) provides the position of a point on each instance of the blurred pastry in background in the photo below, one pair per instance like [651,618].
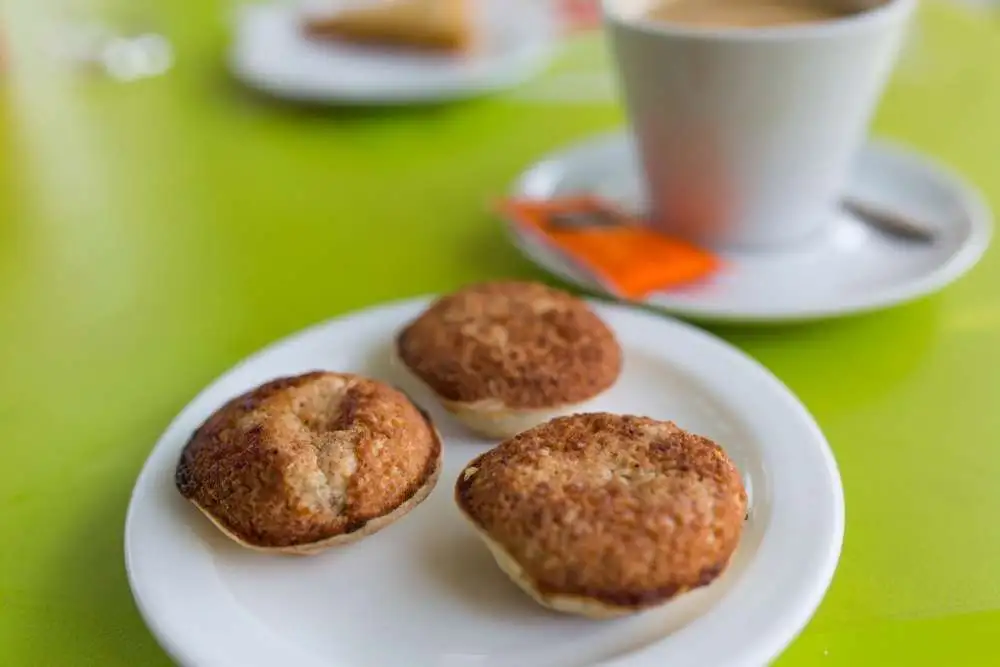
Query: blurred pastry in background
[432,25]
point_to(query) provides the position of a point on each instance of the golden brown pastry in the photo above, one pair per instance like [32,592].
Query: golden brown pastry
[308,462]
[422,24]
[506,356]
[604,515]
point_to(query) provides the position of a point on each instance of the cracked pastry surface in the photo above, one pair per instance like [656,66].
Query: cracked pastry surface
[604,515]
[306,462]
[513,351]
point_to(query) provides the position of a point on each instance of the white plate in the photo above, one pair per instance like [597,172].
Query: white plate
[850,268]
[270,53]
[425,592]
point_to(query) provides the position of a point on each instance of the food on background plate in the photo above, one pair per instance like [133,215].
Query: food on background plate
[441,25]
[604,515]
[579,15]
[628,257]
[505,356]
[303,463]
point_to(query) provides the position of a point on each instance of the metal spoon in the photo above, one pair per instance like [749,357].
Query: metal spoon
[889,222]
[885,221]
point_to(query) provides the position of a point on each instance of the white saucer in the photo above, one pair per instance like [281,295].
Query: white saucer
[425,592]
[850,268]
[270,53]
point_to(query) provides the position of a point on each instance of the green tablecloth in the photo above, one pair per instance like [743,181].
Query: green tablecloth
[152,234]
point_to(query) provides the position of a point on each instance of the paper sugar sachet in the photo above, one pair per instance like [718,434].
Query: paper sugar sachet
[615,247]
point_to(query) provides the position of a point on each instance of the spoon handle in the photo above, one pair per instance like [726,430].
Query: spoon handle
[888,222]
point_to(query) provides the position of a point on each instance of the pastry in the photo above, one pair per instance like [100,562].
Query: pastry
[506,356]
[604,515]
[423,24]
[308,462]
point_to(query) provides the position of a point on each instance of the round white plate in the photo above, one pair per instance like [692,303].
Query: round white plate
[850,268]
[425,591]
[271,53]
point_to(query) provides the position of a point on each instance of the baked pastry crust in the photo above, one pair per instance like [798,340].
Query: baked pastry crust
[307,462]
[444,25]
[505,356]
[603,515]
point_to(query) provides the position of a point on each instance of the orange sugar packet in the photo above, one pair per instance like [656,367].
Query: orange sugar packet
[627,257]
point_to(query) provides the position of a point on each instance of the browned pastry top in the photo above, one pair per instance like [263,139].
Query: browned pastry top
[304,459]
[627,511]
[429,24]
[524,344]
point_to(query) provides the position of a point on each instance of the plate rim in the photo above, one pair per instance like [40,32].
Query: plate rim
[806,602]
[534,63]
[968,254]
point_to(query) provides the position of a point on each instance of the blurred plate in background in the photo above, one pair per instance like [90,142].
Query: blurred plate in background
[271,53]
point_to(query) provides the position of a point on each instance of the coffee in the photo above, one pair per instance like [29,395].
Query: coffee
[748,13]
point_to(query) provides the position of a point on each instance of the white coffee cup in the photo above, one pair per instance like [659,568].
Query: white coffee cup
[746,134]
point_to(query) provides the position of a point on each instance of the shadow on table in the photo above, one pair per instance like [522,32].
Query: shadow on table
[834,365]
[489,249]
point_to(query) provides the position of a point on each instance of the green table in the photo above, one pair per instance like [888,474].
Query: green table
[153,234]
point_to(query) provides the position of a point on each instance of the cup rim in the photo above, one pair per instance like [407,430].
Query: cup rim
[888,12]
